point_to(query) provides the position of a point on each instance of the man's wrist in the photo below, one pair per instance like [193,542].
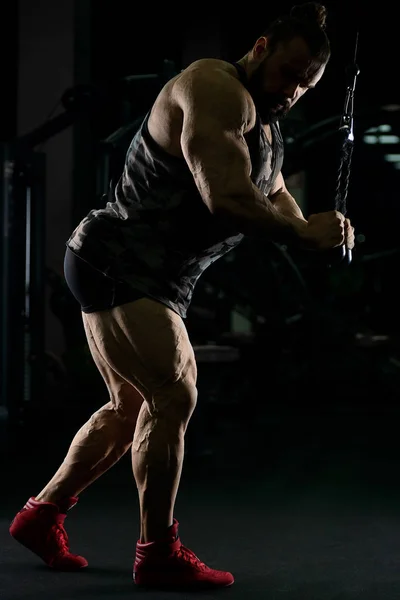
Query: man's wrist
[298,229]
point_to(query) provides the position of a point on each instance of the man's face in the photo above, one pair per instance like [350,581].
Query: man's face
[282,77]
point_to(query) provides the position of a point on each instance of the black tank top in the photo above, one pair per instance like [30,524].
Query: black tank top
[156,234]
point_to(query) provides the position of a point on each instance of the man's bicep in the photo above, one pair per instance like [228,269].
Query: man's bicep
[212,139]
[218,160]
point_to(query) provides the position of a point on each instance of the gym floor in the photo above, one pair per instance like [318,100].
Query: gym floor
[302,507]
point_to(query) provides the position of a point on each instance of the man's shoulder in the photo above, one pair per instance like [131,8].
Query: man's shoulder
[212,71]
[216,81]
[206,65]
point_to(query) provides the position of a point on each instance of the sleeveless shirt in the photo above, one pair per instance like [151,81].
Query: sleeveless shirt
[156,233]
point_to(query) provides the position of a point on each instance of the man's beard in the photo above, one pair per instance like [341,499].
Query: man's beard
[270,107]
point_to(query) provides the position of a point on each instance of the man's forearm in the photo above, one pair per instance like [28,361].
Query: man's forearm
[286,205]
[255,214]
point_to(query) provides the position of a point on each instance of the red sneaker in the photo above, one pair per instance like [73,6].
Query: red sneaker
[168,564]
[39,526]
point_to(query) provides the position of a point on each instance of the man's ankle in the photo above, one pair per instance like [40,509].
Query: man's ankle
[154,534]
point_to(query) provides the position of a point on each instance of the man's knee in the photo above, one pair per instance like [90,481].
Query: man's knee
[186,398]
[177,399]
[165,419]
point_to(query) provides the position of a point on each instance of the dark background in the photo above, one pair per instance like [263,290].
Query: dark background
[128,39]
[292,457]
[288,323]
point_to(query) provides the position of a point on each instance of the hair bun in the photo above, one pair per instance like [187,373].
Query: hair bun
[312,12]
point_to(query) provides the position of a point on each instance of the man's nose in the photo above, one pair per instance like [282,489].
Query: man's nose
[290,90]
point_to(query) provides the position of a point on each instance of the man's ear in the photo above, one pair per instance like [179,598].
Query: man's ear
[260,48]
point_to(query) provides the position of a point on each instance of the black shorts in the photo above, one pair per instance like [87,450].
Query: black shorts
[93,290]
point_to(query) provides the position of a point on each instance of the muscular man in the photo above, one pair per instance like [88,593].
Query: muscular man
[203,170]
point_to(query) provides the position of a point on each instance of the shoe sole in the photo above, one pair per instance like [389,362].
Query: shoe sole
[196,586]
